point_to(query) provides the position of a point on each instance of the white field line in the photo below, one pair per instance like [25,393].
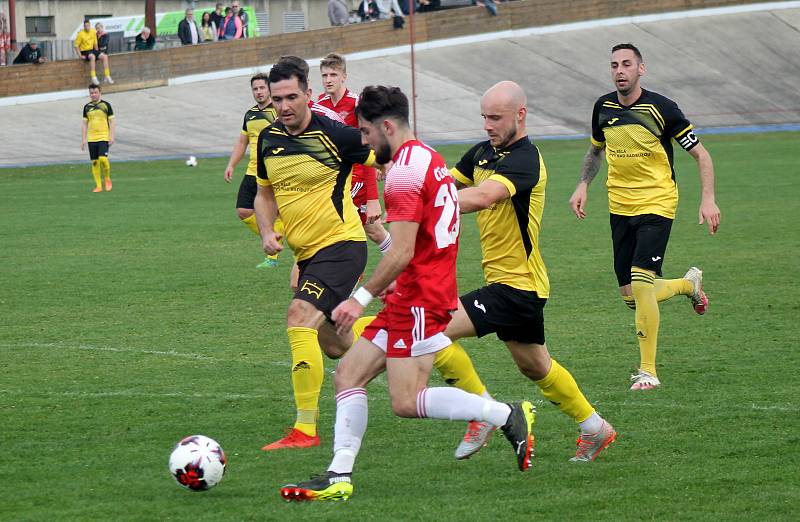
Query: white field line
[138,351]
[89,347]
[379,382]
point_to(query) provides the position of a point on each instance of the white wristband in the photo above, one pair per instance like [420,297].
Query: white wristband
[363,296]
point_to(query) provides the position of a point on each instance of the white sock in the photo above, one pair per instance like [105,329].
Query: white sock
[386,244]
[455,404]
[351,424]
[592,425]
[486,395]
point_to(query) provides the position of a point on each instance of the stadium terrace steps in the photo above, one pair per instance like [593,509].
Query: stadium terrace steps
[694,61]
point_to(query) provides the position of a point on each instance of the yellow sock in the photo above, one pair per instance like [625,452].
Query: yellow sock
[107,72]
[668,288]
[277,227]
[96,172]
[647,316]
[308,371]
[560,388]
[105,166]
[359,326]
[93,74]
[665,289]
[457,370]
[250,222]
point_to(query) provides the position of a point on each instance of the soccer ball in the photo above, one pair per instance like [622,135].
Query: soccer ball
[191,162]
[197,463]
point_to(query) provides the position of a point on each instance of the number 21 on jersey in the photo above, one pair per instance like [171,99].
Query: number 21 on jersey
[449,223]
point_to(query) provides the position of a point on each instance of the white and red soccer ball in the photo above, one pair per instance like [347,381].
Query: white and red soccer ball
[197,463]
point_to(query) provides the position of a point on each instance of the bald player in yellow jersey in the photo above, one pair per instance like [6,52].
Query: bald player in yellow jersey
[97,131]
[503,179]
[256,119]
[636,127]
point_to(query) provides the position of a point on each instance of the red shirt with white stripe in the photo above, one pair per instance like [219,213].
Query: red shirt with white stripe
[363,177]
[346,108]
[324,111]
[419,188]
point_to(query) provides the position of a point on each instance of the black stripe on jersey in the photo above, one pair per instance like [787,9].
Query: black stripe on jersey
[522,205]
[337,197]
[326,142]
[652,109]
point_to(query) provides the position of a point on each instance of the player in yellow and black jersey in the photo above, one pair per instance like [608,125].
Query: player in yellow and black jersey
[303,164]
[505,179]
[304,171]
[97,131]
[636,128]
[256,119]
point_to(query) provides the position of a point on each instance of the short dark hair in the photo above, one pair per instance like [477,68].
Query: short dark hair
[296,61]
[379,101]
[93,86]
[87,21]
[629,46]
[260,76]
[285,70]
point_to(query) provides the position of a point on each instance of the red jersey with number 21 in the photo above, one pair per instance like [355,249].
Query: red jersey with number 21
[419,188]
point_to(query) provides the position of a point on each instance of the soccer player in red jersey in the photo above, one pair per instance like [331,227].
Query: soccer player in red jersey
[422,209]
[364,187]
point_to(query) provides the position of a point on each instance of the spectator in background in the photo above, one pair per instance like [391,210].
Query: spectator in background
[145,41]
[188,31]
[102,51]
[429,5]
[244,17]
[368,10]
[388,8]
[489,4]
[218,16]
[231,28]
[338,12]
[5,38]
[31,53]
[86,47]
[208,29]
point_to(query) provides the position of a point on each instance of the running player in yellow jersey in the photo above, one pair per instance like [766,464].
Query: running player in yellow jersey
[97,131]
[635,128]
[256,119]
[503,179]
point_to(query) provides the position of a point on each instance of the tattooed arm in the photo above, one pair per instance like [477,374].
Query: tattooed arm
[591,165]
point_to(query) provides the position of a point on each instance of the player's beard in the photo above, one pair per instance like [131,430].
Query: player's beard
[383,154]
[507,137]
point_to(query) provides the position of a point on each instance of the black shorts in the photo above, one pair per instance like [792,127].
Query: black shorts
[639,241]
[97,149]
[247,192]
[515,315]
[328,277]
[85,54]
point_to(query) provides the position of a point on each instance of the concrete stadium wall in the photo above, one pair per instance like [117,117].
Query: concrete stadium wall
[154,68]
[725,68]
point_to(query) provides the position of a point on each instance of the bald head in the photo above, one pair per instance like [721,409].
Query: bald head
[504,108]
[507,94]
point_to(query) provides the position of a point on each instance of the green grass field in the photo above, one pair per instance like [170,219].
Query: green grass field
[133,318]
